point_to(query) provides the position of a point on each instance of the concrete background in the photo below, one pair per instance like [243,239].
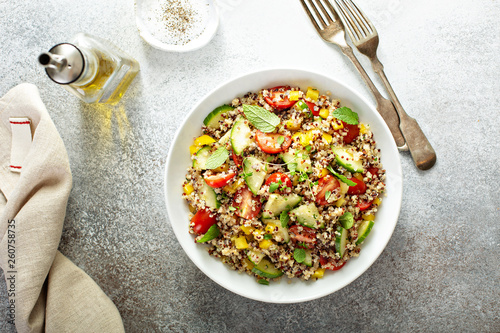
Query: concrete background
[439,272]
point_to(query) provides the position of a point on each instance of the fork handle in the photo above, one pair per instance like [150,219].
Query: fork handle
[384,106]
[420,148]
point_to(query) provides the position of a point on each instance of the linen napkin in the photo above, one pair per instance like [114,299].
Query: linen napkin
[47,292]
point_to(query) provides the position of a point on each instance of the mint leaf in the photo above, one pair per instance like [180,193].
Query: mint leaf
[211,233]
[280,140]
[273,187]
[217,158]
[346,115]
[264,282]
[346,220]
[299,255]
[262,119]
[341,177]
[284,219]
[292,167]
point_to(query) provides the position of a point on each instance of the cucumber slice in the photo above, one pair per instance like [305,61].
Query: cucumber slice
[308,215]
[267,269]
[240,135]
[363,231]
[308,261]
[257,171]
[345,159]
[301,157]
[212,120]
[201,157]
[209,196]
[278,203]
[225,138]
[255,256]
[341,241]
[282,234]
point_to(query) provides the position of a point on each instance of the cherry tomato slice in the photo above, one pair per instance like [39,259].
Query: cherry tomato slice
[359,188]
[327,183]
[276,178]
[330,264]
[364,205]
[268,142]
[305,238]
[352,132]
[373,171]
[203,220]
[278,98]
[246,203]
[311,106]
[220,180]
[238,160]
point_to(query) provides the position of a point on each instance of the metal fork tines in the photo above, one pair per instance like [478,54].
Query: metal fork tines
[331,29]
[365,37]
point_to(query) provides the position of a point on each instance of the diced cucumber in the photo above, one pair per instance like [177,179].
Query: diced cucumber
[201,157]
[267,269]
[300,157]
[255,256]
[363,231]
[240,135]
[209,196]
[345,159]
[308,215]
[278,203]
[255,171]
[308,261]
[341,241]
[212,120]
[282,234]
[225,138]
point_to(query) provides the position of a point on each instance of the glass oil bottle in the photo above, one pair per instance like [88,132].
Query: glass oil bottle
[90,68]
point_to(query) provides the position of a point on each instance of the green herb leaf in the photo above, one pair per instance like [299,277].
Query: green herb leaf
[341,177]
[211,233]
[292,167]
[264,282]
[346,220]
[232,209]
[284,219]
[347,115]
[308,148]
[299,255]
[303,177]
[217,158]
[268,236]
[262,119]
[280,140]
[273,187]
[327,194]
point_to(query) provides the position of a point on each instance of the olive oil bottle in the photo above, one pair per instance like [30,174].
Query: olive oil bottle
[90,68]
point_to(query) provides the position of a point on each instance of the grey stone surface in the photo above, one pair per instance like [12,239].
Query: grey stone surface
[439,272]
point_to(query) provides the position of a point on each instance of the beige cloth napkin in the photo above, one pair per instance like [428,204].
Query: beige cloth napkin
[48,291]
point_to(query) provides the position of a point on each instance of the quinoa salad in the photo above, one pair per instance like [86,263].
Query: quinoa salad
[283,182]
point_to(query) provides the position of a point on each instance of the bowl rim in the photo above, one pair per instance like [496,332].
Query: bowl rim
[397,179]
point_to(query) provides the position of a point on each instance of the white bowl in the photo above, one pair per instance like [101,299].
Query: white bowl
[151,22]
[282,291]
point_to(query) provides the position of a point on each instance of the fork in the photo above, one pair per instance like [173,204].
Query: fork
[330,28]
[365,37]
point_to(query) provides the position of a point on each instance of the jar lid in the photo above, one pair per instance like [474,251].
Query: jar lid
[64,63]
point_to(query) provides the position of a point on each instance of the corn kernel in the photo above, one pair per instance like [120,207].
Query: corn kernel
[312,93]
[319,273]
[294,95]
[232,188]
[377,201]
[298,136]
[258,232]
[265,244]
[295,180]
[203,140]
[358,176]
[324,113]
[340,202]
[192,209]
[241,243]
[369,217]
[246,230]
[337,124]
[292,124]
[193,149]
[188,188]
[363,129]
[269,229]
[327,137]
[324,172]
